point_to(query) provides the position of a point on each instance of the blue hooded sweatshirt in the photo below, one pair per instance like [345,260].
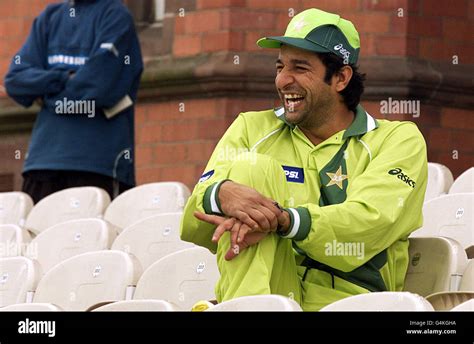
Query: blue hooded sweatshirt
[80,51]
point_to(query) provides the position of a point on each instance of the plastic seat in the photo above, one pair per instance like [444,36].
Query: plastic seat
[258,303]
[448,300]
[381,301]
[435,265]
[70,238]
[138,306]
[18,279]
[449,216]
[152,238]
[89,278]
[464,183]
[467,306]
[182,278]
[440,180]
[146,200]
[13,240]
[31,307]
[14,207]
[467,281]
[68,204]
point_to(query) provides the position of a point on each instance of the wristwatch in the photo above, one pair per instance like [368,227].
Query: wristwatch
[280,230]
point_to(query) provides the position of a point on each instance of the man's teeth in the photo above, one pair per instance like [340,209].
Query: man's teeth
[293,96]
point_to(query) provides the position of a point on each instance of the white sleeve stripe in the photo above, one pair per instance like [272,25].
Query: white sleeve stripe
[296,224]
[110,47]
[214,207]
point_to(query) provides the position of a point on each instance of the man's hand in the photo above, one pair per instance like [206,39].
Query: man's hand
[249,206]
[241,236]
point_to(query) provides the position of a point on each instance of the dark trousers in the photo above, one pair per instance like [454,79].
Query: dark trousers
[41,183]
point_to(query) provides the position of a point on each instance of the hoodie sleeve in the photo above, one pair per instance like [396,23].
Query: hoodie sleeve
[27,77]
[112,66]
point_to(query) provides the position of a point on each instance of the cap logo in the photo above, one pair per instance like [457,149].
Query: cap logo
[343,52]
[299,25]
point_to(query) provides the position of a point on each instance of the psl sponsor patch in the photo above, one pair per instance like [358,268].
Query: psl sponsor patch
[294,174]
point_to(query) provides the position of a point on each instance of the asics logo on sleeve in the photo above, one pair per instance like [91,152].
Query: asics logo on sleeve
[294,174]
[402,176]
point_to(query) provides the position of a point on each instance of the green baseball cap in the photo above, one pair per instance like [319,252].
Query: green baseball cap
[321,32]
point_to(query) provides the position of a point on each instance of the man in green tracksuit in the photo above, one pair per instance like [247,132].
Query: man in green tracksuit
[318,197]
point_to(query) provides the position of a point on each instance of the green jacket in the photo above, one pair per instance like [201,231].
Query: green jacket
[355,197]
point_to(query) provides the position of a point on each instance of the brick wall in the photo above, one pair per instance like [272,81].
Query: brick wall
[172,144]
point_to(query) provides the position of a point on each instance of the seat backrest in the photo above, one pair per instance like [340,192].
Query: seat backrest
[183,277]
[146,200]
[435,265]
[31,307]
[18,279]
[467,281]
[138,306]
[381,301]
[68,204]
[258,303]
[68,239]
[464,183]
[152,238]
[14,207]
[467,306]
[449,216]
[440,179]
[87,279]
[13,240]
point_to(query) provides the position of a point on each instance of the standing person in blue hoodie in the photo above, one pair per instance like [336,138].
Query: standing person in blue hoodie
[82,63]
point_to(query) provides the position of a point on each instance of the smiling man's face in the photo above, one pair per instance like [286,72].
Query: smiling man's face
[301,87]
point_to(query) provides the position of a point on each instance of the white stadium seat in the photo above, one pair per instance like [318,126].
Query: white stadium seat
[70,238]
[152,238]
[138,306]
[381,301]
[467,306]
[258,303]
[182,278]
[447,300]
[464,183]
[31,307]
[449,216]
[146,200]
[68,204]
[440,179]
[18,279]
[435,265]
[13,240]
[87,279]
[467,281]
[14,207]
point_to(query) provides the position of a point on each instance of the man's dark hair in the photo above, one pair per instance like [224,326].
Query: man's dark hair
[354,88]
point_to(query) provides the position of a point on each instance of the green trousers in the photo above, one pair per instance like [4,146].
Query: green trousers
[270,266]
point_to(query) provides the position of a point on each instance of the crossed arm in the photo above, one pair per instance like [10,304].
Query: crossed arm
[250,217]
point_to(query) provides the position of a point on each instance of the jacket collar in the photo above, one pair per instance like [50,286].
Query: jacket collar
[362,124]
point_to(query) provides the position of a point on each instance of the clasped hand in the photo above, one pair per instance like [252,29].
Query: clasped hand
[250,217]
